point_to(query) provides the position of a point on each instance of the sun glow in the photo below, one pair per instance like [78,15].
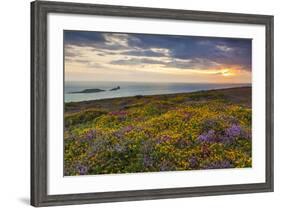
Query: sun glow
[227,73]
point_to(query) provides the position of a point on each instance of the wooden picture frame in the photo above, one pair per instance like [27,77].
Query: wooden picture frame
[39,99]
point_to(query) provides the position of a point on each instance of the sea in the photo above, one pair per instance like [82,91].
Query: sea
[128,89]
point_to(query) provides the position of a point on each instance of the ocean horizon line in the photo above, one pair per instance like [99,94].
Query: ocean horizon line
[156,94]
[168,94]
[160,82]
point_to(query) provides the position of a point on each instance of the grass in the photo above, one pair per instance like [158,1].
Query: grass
[187,131]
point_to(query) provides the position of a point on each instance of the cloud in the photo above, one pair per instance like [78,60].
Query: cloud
[224,48]
[196,63]
[82,38]
[221,50]
[116,39]
[137,61]
[169,51]
[71,52]
[189,64]
[146,52]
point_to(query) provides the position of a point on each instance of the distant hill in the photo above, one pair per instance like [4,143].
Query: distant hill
[90,91]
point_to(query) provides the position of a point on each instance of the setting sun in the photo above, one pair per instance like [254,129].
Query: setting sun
[227,73]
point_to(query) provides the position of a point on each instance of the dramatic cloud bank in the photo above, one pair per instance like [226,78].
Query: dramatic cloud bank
[94,56]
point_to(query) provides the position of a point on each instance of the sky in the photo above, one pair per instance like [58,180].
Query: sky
[104,56]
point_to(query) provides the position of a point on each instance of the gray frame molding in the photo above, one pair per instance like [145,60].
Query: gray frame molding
[39,12]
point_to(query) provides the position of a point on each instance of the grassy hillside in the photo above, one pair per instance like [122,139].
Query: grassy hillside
[187,131]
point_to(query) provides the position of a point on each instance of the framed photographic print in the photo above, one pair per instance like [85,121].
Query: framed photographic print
[131,103]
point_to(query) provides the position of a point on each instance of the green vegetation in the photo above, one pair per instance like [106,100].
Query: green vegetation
[188,131]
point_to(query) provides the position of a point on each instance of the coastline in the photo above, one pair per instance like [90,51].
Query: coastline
[98,91]
[208,129]
[238,95]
